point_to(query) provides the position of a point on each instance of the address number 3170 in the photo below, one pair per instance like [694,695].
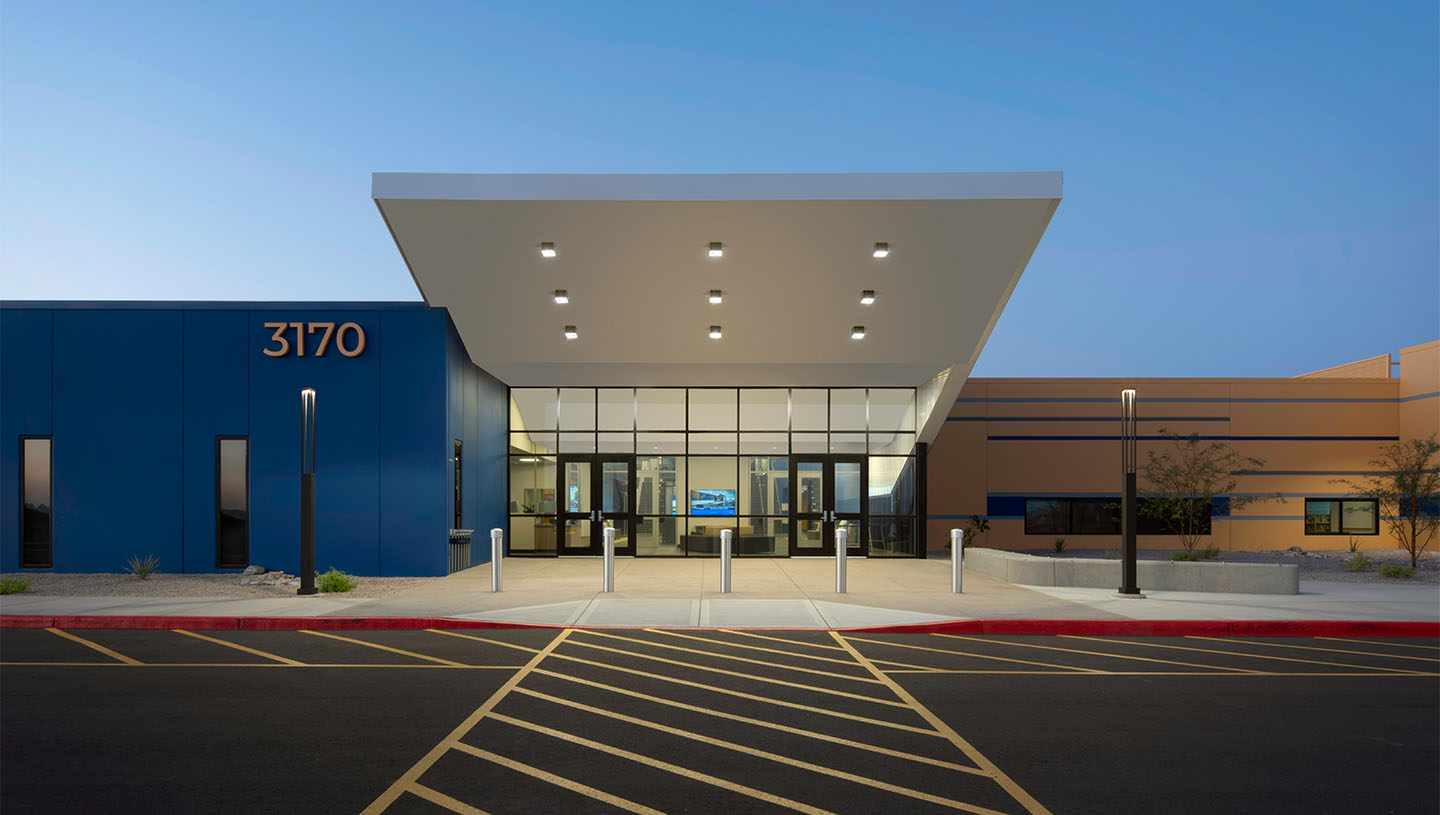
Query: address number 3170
[349,340]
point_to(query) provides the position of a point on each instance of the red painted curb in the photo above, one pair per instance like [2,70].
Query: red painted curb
[1129,628]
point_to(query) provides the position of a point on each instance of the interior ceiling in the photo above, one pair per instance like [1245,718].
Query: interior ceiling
[797,254]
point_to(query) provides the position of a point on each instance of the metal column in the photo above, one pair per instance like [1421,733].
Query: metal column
[307,492]
[1129,509]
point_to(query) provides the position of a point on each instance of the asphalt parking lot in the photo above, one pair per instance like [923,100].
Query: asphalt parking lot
[585,720]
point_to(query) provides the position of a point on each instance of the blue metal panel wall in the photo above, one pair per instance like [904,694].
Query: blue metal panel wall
[25,359]
[347,448]
[416,481]
[217,403]
[477,415]
[117,454]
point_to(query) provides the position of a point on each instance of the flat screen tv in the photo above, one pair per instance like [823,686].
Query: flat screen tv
[712,502]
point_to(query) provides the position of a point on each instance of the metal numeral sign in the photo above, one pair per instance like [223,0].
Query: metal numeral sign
[349,340]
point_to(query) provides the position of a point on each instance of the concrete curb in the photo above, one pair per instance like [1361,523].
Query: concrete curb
[1129,628]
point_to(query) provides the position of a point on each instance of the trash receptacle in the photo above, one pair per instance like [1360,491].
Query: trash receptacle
[460,549]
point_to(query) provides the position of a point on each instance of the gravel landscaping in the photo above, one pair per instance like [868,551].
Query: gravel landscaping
[194,585]
[1327,564]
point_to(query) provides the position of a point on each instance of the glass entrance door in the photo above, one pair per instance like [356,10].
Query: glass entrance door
[827,493]
[596,493]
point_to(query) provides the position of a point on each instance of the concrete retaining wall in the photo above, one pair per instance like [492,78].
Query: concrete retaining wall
[1160,575]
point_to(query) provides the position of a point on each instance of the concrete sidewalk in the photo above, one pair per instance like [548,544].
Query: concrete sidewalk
[779,593]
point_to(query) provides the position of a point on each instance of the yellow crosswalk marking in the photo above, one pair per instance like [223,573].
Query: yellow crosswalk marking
[559,781]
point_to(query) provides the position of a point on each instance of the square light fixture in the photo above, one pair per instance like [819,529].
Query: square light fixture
[882,250]
[714,332]
[547,250]
[571,333]
[717,249]
[562,297]
[867,297]
[857,333]
[715,297]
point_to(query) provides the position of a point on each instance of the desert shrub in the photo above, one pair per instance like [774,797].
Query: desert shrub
[1397,571]
[14,585]
[142,569]
[334,581]
[1059,544]
[1358,563]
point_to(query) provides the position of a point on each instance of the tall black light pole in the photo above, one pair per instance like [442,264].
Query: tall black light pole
[1129,509]
[307,491]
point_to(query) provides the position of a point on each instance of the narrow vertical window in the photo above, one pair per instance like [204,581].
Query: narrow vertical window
[232,502]
[459,489]
[36,513]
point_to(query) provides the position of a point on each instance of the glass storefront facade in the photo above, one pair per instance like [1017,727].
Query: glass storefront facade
[670,468]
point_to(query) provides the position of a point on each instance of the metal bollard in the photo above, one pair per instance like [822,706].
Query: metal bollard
[609,533]
[725,537]
[497,551]
[840,547]
[957,559]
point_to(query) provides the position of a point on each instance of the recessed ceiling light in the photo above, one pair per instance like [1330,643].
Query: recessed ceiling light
[715,297]
[571,333]
[857,333]
[561,296]
[867,297]
[716,249]
[714,332]
[547,250]
[882,250]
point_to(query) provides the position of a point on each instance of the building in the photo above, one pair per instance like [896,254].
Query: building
[664,356]
[1041,457]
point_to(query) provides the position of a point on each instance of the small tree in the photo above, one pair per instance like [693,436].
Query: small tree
[1184,480]
[974,528]
[1406,492]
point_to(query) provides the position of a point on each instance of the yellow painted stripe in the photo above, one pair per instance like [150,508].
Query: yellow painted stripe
[440,799]
[1240,654]
[847,663]
[412,775]
[95,645]
[1408,674]
[1382,641]
[972,654]
[1269,644]
[1100,653]
[710,687]
[717,655]
[1017,792]
[765,754]
[257,652]
[780,639]
[735,717]
[377,645]
[684,772]
[812,688]
[559,781]
[485,640]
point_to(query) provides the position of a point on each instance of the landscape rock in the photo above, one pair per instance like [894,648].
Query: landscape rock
[253,569]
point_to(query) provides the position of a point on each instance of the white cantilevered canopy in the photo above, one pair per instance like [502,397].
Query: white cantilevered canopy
[632,252]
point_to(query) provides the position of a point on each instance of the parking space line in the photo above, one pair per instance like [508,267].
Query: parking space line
[1315,648]
[1242,654]
[813,688]
[685,772]
[735,717]
[439,798]
[845,662]
[377,645]
[781,639]
[1379,641]
[971,654]
[748,660]
[485,640]
[1017,792]
[96,646]
[1409,675]
[1103,653]
[412,775]
[247,649]
[559,781]
[765,754]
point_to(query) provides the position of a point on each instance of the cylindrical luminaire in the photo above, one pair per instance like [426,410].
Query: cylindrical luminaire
[726,537]
[307,491]
[957,559]
[608,578]
[840,548]
[497,551]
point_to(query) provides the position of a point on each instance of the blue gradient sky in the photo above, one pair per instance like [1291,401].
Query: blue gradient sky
[1250,189]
